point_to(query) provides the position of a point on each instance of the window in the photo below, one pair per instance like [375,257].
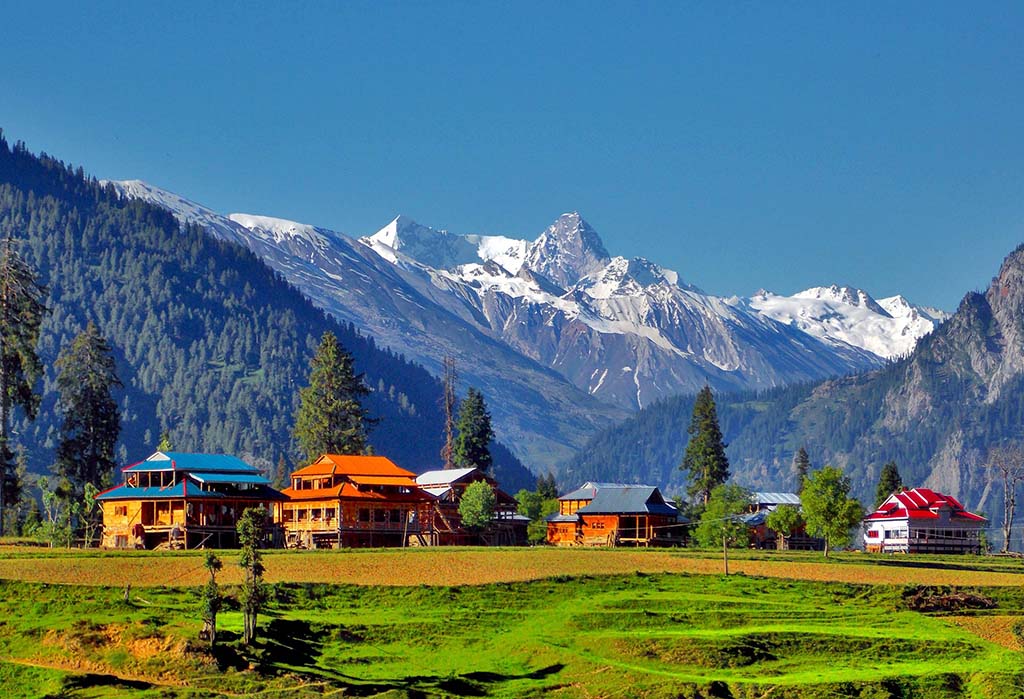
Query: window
[364,515]
[379,515]
[396,515]
[872,533]
[120,510]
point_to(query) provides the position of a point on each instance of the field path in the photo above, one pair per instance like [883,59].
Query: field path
[442,566]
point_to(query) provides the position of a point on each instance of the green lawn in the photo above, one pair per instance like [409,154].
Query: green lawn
[662,635]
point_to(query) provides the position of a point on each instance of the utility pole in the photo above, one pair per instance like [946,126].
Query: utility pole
[448,399]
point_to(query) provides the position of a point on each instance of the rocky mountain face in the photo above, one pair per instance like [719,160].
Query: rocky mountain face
[562,337]
[936,411]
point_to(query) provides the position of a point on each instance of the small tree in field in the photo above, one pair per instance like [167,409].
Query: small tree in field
[211,599]
[721,524]
[250,537]
[784,520]
[477,505]
[828,508]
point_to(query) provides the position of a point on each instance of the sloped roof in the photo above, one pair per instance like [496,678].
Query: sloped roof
[588,490]
[348,491]
[772,498]
[203,477]
[629,499]
[922,503]
[349,465]
[442,476]
[183,461]
[187,491]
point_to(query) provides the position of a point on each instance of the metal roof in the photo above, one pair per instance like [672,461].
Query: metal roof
[181,461]
[770,498]
[588,490]
[629,499]
[204,477]
[442,476]
[178,491]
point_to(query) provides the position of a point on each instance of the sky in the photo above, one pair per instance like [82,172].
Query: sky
[745,145]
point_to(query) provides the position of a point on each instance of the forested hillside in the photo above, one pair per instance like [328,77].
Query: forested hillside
[210,344]
[936,413]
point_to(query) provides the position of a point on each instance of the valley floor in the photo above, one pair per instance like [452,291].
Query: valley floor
[515,623]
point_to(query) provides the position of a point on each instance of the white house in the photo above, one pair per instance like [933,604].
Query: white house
[922,521]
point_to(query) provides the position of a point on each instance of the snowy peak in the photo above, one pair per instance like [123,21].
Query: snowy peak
[280,230]
[842,315]
[422,244]
[622,277]
[567,251]
[848,295]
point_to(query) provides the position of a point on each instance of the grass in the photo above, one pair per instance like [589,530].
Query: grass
[602,633]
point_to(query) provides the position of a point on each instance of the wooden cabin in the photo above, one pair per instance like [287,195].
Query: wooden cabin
[180,500]
[355,501]
[446,486]
[764,503]
[615,514]
[923,521]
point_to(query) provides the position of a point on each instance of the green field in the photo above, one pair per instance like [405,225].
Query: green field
[585,635]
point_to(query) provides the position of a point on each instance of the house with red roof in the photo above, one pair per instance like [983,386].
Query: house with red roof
[921,520]
[355,501]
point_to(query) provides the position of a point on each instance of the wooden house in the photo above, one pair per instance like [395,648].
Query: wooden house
[615,514]
[355,501]
[922,521]
[183,500]
[764,503]
[446,486]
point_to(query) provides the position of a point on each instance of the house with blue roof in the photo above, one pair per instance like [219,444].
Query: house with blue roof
[183,500]
[616,514]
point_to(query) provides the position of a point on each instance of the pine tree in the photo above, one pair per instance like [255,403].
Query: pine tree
[331,418]
[802,467]
[88,434]
[889,481]
[21,313]
[472,445]
[705,461]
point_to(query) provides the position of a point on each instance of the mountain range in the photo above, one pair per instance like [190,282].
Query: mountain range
[563,338]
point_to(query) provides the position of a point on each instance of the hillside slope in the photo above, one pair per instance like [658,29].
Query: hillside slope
[935,412]
[210,343]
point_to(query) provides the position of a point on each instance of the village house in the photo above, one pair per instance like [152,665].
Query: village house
[355,501]
[447,486]
[763,504]
[615,514]
[181,500]
[922,521]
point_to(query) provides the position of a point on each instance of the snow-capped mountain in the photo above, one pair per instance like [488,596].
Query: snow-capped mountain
[560,335]
[889,327]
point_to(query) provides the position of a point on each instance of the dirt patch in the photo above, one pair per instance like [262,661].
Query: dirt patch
[995,629]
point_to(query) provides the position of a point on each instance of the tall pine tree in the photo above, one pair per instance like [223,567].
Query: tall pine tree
[86,380]
[473,443]
[889,481]
[705,461]
[331,418]
[802,467]
[21,312]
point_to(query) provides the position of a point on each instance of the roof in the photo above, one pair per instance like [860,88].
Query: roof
[184,490]
[769,498]
[588,490]
[248,478]
[443,476]
[629,499]
[350,491]
[349,465]
[182,461]
[922,503]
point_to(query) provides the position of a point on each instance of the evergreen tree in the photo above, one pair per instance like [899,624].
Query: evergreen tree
[86,379]
[889,481]
[802,467]
[21,313]
[165,443]
[705,461]
[473,443]
[547,487]
[331,418]
[448,404]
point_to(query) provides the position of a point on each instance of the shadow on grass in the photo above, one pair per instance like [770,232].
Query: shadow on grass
[91,680]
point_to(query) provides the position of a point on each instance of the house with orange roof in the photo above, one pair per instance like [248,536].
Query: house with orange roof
[355,501]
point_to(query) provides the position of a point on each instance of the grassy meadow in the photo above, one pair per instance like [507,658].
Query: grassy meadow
[517,623]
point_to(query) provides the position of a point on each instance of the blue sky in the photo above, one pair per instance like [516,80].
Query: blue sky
[746,145]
